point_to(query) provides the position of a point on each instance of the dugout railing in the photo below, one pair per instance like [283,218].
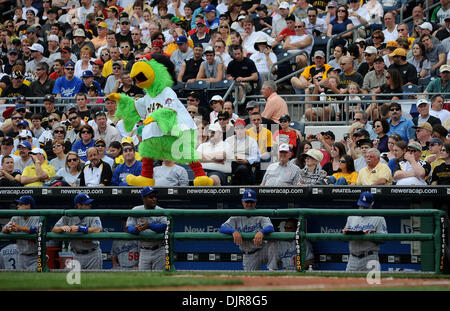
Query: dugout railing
[437,236]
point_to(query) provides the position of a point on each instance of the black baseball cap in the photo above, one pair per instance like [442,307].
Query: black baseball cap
[329,134]
[362,142]
[362,132]
[194,94]
[285,117]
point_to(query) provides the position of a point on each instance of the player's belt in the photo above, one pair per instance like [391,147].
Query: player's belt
[153,248]
[88,251]
[364,254]
[252,252]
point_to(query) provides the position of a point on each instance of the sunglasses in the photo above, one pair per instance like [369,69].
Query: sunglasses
[72,160]
[224,27]
[57,145]
[387,77]
[222,119]
[192,112]
[443,150]
[106,54]
[342,161]
[125,23]
[298,27]
[7,143]
[394,109]
[73,118]
[345,11]
[59,132]
[125,47]
[376,37]
[356,119]
[116,67]
[100,145]
[312,15]
[70,69]
[52,120]
[377,126]
[128,149]
[15,118]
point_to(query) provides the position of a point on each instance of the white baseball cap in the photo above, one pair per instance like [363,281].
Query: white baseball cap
[25,134]
[444,68]
[284,147]
[422,101]
[426,25]
[38,150]
[315,154]
[284,5]
[371,50]
[216,98]
[215,127]
[53,38]
[37,47]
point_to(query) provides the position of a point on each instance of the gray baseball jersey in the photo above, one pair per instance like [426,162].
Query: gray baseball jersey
[9,257]
[81,245]
[248,224]
[126,252]
[287,253]
[132,221]
[151,252]
[26,247]
[368,224]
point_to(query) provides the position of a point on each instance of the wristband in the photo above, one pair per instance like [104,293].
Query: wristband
[83,229]
[32,229]
[132,229]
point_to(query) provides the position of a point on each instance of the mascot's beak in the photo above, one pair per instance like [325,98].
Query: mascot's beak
[143,74]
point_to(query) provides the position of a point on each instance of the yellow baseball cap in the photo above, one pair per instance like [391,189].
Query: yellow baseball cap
[128,140]
[398,52]
[102,24]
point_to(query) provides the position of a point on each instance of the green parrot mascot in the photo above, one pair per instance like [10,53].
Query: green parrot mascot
[168,131]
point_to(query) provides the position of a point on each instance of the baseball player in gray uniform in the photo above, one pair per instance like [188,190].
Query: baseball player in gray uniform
[361,252]
[287,250]
[27,258]
[151,252]
[87,252]
[256,252]
[9,257]
[125,253]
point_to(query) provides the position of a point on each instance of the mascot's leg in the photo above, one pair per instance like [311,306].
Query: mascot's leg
[200,176]
[146,178]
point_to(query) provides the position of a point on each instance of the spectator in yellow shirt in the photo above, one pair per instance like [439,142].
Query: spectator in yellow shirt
[346,174]
[376,172]
[262,135]
[35,175]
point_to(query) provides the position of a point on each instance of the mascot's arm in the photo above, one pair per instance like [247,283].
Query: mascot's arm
[166,120]
[126,110]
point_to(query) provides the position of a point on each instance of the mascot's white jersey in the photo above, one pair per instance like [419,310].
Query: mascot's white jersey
[166,99]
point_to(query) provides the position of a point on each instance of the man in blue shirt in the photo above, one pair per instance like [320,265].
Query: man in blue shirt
[67,85]
[399,124]
[212,22]
[130,166]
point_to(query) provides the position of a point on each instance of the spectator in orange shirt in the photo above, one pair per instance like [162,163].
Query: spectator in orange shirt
[275,105]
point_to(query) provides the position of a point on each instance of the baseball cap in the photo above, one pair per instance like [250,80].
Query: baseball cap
[99,140]
[17,74]
[159,43]
[215,127]
[19,107]
[435,140]
[12,50]
[124,19]
[241,17]
[363,142]
[216,98]
[201,21]
[181,39]
[284,5]
[194,94]
[284,147]
[315,154]
[79,33]
[21,99]
[127,140]
[69,64]
[25,133]
[31,29]
[415,145]
[97,62]
[261,7]
[329,134]
[25,144]
[210,8]
[379,59]
[148,190]
[26,199]
[421,102]
[319,53]
[66,49]
[424,125]
[49,97]
[239,122]
[24,123]
[392,44]
[53,38]
[8,140]
[175,20]
[285,117]
[82,198]
[398,52]
[209,49]
[72,106]
[365,199]
[249,195]
[102,24]
[112,8]
[444,68]
[38,151]
[252,104]
[87,74]
[332,4]
[371,50]
[426,25]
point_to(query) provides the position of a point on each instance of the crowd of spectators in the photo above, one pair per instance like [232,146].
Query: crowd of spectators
[81,51]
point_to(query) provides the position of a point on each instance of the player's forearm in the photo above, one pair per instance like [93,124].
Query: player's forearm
[158,228]
[267,230]
[226,230]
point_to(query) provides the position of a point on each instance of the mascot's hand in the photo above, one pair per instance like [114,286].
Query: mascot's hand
[203,181]
[114,96]
[148,120]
